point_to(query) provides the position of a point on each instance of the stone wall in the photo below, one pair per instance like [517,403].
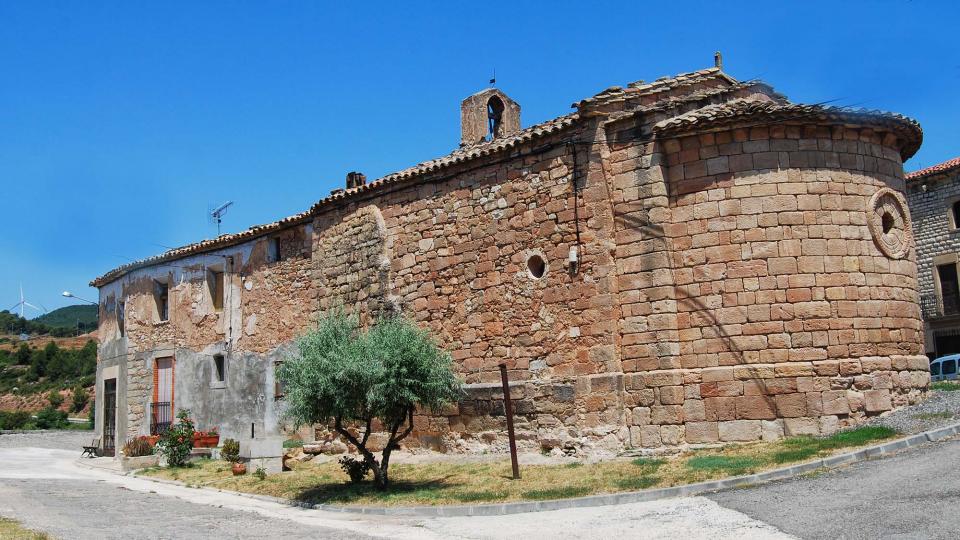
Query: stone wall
[931,199]
[763,305]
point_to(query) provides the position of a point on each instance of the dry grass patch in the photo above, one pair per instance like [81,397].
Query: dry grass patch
[13,530]
[467,483]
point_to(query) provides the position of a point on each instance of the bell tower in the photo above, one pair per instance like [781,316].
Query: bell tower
[488,115]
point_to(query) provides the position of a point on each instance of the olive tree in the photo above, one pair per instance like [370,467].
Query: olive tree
[342,374]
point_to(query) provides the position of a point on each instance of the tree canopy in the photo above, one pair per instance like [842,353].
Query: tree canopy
[349,376]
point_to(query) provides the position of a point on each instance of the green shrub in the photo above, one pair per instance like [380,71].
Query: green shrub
[51,418]
[260,473]
[80,398]
[230,450]
[138,446]
[177,442]
[14,420]
[356,469]
[55,399]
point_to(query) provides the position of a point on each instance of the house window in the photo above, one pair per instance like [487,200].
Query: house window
[278,387]
[216,289]
[162,295]
[949,288]
[121,318]
[274,253]
[219,368]
[955,215]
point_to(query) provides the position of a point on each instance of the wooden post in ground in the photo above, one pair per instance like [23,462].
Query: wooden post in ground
[508,410]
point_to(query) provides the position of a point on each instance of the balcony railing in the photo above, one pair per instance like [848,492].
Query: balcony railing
[160,417]
[933,308]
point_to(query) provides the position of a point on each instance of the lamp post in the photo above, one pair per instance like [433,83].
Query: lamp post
[69,294]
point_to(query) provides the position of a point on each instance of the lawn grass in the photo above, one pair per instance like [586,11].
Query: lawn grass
[13,530]
[484,482]
[945,386]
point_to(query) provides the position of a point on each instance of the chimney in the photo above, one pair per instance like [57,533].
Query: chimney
[355,179]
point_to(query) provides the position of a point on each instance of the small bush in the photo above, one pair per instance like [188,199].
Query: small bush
[177,442]
[356,469]
[80,399]
[138,446]
[14,420]
[51,418]
[230,450]
[260,473]
[55,399]
[293,443]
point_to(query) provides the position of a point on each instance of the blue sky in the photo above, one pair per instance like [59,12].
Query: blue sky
[122,123]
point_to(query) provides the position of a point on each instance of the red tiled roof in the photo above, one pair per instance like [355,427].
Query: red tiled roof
[948,165]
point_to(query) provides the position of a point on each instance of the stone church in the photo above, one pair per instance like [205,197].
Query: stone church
[689,260]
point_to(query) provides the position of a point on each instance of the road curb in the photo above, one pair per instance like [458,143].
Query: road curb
[500,509]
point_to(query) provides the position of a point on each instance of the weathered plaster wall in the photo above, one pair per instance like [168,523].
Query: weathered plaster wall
[267,303]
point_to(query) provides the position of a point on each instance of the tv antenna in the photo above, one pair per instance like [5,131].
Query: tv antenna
[23,303]
[217,214]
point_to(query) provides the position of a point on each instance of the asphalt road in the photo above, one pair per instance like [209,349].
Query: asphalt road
[914,494]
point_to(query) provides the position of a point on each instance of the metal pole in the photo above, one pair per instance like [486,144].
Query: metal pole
[508,409]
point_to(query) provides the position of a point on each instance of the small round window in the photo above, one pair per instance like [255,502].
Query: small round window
[887,222]
[536,266]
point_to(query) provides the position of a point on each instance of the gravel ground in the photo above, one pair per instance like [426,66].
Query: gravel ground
[940,409]
[60,439]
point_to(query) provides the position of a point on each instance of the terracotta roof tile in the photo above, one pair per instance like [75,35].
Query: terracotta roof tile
[946,166]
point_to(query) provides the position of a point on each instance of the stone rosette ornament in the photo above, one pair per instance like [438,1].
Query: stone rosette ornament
[889,222]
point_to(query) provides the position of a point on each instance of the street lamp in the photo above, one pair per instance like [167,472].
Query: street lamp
[69,294]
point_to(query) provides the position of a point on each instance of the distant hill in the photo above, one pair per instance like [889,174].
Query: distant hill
[66,317]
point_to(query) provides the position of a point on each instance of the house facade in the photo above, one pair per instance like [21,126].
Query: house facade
[933,194]
[691,260]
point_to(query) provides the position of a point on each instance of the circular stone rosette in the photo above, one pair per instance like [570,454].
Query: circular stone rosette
[889,221]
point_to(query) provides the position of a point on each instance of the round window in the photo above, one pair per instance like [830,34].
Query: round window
[536,266]
[889,223]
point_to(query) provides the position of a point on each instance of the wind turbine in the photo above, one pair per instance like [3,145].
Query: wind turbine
[23,303]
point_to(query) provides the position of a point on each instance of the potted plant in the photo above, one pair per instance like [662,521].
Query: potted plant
[231,452]
[206,439]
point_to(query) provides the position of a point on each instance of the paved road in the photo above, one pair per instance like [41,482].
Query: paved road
[915,495]
[911,495]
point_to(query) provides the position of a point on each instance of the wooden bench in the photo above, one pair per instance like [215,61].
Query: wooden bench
[91,450]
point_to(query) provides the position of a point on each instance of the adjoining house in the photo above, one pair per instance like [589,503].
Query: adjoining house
[933,194]
[690,260]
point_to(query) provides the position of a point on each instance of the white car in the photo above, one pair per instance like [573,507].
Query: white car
[944,368]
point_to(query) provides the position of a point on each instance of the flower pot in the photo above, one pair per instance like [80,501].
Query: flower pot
[239,469]
[205,441]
